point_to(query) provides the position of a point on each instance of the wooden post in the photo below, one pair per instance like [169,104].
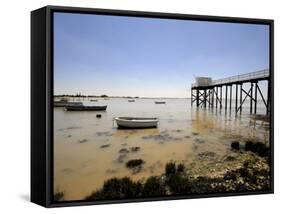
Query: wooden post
[209,92]
[251,97]
[241,87]
[236,98]
[213,94]
[221,97]
[256,97]
[230,97]
[197,97]
[205,98]
[268,98]
[217,97]
[226,97]
[191,97]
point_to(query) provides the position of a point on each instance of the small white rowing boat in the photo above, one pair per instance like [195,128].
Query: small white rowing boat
[136,122]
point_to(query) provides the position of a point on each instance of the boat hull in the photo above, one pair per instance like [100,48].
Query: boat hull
[135,123]
[86,108]
[67,104]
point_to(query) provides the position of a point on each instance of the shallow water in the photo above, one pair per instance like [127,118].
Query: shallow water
[86,148]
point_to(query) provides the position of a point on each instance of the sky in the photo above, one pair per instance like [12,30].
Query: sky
[145,57]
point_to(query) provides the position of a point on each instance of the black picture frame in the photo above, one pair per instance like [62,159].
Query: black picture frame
[42,100]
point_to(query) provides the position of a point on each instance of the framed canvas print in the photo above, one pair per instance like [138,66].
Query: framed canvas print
[134,106]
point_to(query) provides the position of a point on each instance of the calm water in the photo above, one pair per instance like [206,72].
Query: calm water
[86,148]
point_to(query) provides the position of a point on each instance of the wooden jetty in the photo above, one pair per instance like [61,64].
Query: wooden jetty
[207,92]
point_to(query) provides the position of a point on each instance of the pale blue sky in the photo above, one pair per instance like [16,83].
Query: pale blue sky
[128,56]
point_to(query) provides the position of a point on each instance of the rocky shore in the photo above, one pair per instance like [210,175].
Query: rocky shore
[246,170]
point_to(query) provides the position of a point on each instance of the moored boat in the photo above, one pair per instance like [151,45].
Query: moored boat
[160,102]
[86,108]
[131,101]
[94,100]
[66,103]
[136,122]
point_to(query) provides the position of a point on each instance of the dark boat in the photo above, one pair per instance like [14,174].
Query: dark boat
[66,103]
[130,101]
[160,102]
[86,108]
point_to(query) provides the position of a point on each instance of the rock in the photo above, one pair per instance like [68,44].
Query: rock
[177,130]
[199,141]
[108,134]
[230,158]
[98,116]
[124,150]
[135,149]
[249,146]
[259,148]
[121,158]
[134,163]
[159,137]
[207,156]
[235,145]
[104,146]
[83,141]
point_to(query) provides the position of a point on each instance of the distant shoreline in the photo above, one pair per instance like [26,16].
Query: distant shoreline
[125,97]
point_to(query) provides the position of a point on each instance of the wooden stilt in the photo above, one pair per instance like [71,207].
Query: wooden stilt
[221,97]
[216,97]
[197,97]
[241,90]
[230,97]
[268,98]
[251,99]
[209,97]
[213,94]
[205,98]
[226,87]
[256,98]
[236,98]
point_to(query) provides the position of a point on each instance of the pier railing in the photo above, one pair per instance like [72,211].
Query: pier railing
[243,77]
[240,78]
[210,92]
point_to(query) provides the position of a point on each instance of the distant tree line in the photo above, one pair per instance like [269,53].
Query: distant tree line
[82,95]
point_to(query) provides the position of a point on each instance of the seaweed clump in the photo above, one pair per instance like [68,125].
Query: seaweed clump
[259,148]
[170,168]
[117,188]
[153,187]
[59,196]
[135,165]
[235,145]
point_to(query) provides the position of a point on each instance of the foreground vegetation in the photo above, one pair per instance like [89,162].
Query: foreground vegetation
[176,181]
